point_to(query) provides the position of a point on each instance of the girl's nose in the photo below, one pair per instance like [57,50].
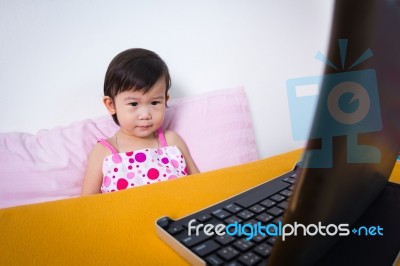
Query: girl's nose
[144,113]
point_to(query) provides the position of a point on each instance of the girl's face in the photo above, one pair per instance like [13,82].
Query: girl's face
[139,114]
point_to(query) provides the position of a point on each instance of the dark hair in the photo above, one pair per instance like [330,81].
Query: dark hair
[134,69]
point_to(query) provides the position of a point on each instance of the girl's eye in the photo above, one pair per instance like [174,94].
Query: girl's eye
[134,104]
[155,102]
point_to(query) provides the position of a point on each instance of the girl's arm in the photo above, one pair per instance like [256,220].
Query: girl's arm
[94,175]
[174,139]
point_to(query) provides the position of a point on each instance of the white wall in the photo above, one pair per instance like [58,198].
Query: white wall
[53,55]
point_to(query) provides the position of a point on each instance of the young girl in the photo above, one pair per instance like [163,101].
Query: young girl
[135,94]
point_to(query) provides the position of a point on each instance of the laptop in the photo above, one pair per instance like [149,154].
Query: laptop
[336,206]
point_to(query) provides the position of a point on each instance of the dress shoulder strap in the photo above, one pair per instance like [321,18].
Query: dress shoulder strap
[108,145]
[161,138]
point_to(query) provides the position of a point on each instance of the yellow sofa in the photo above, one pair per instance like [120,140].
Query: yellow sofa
[119,228]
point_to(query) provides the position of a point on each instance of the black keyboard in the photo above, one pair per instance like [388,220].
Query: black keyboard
[262,205]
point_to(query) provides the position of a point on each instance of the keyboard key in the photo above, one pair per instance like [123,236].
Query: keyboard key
[264,250]
[245,215]
[252,222]
[164,222]
[286,193]
[213,221]
[272,240]
[203,218]
[259,238]
[233,263]
[233,208]
[243,244]
[275,211]
[233,219]
[268,203]
[264,217]
[284,205]
[249,259]
[206,248]
[214,260]
[175,229]
[278,198]
[193,240]
[228,253]
[257,208]
[225,239]
[220,214]
[289,180]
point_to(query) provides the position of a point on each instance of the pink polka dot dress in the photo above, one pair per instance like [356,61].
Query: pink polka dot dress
[141,167]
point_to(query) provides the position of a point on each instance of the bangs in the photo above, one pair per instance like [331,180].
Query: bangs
[143,75]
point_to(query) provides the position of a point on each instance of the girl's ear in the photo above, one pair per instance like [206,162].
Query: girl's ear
[109,103]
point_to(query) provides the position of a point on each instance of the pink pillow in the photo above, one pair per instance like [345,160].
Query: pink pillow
[50,165]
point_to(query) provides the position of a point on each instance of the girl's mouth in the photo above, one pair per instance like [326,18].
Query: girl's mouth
[144,127]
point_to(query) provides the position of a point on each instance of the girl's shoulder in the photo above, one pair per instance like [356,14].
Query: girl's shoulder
[173,139]
[101,149]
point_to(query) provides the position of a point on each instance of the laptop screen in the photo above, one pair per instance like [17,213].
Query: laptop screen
[355,135]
